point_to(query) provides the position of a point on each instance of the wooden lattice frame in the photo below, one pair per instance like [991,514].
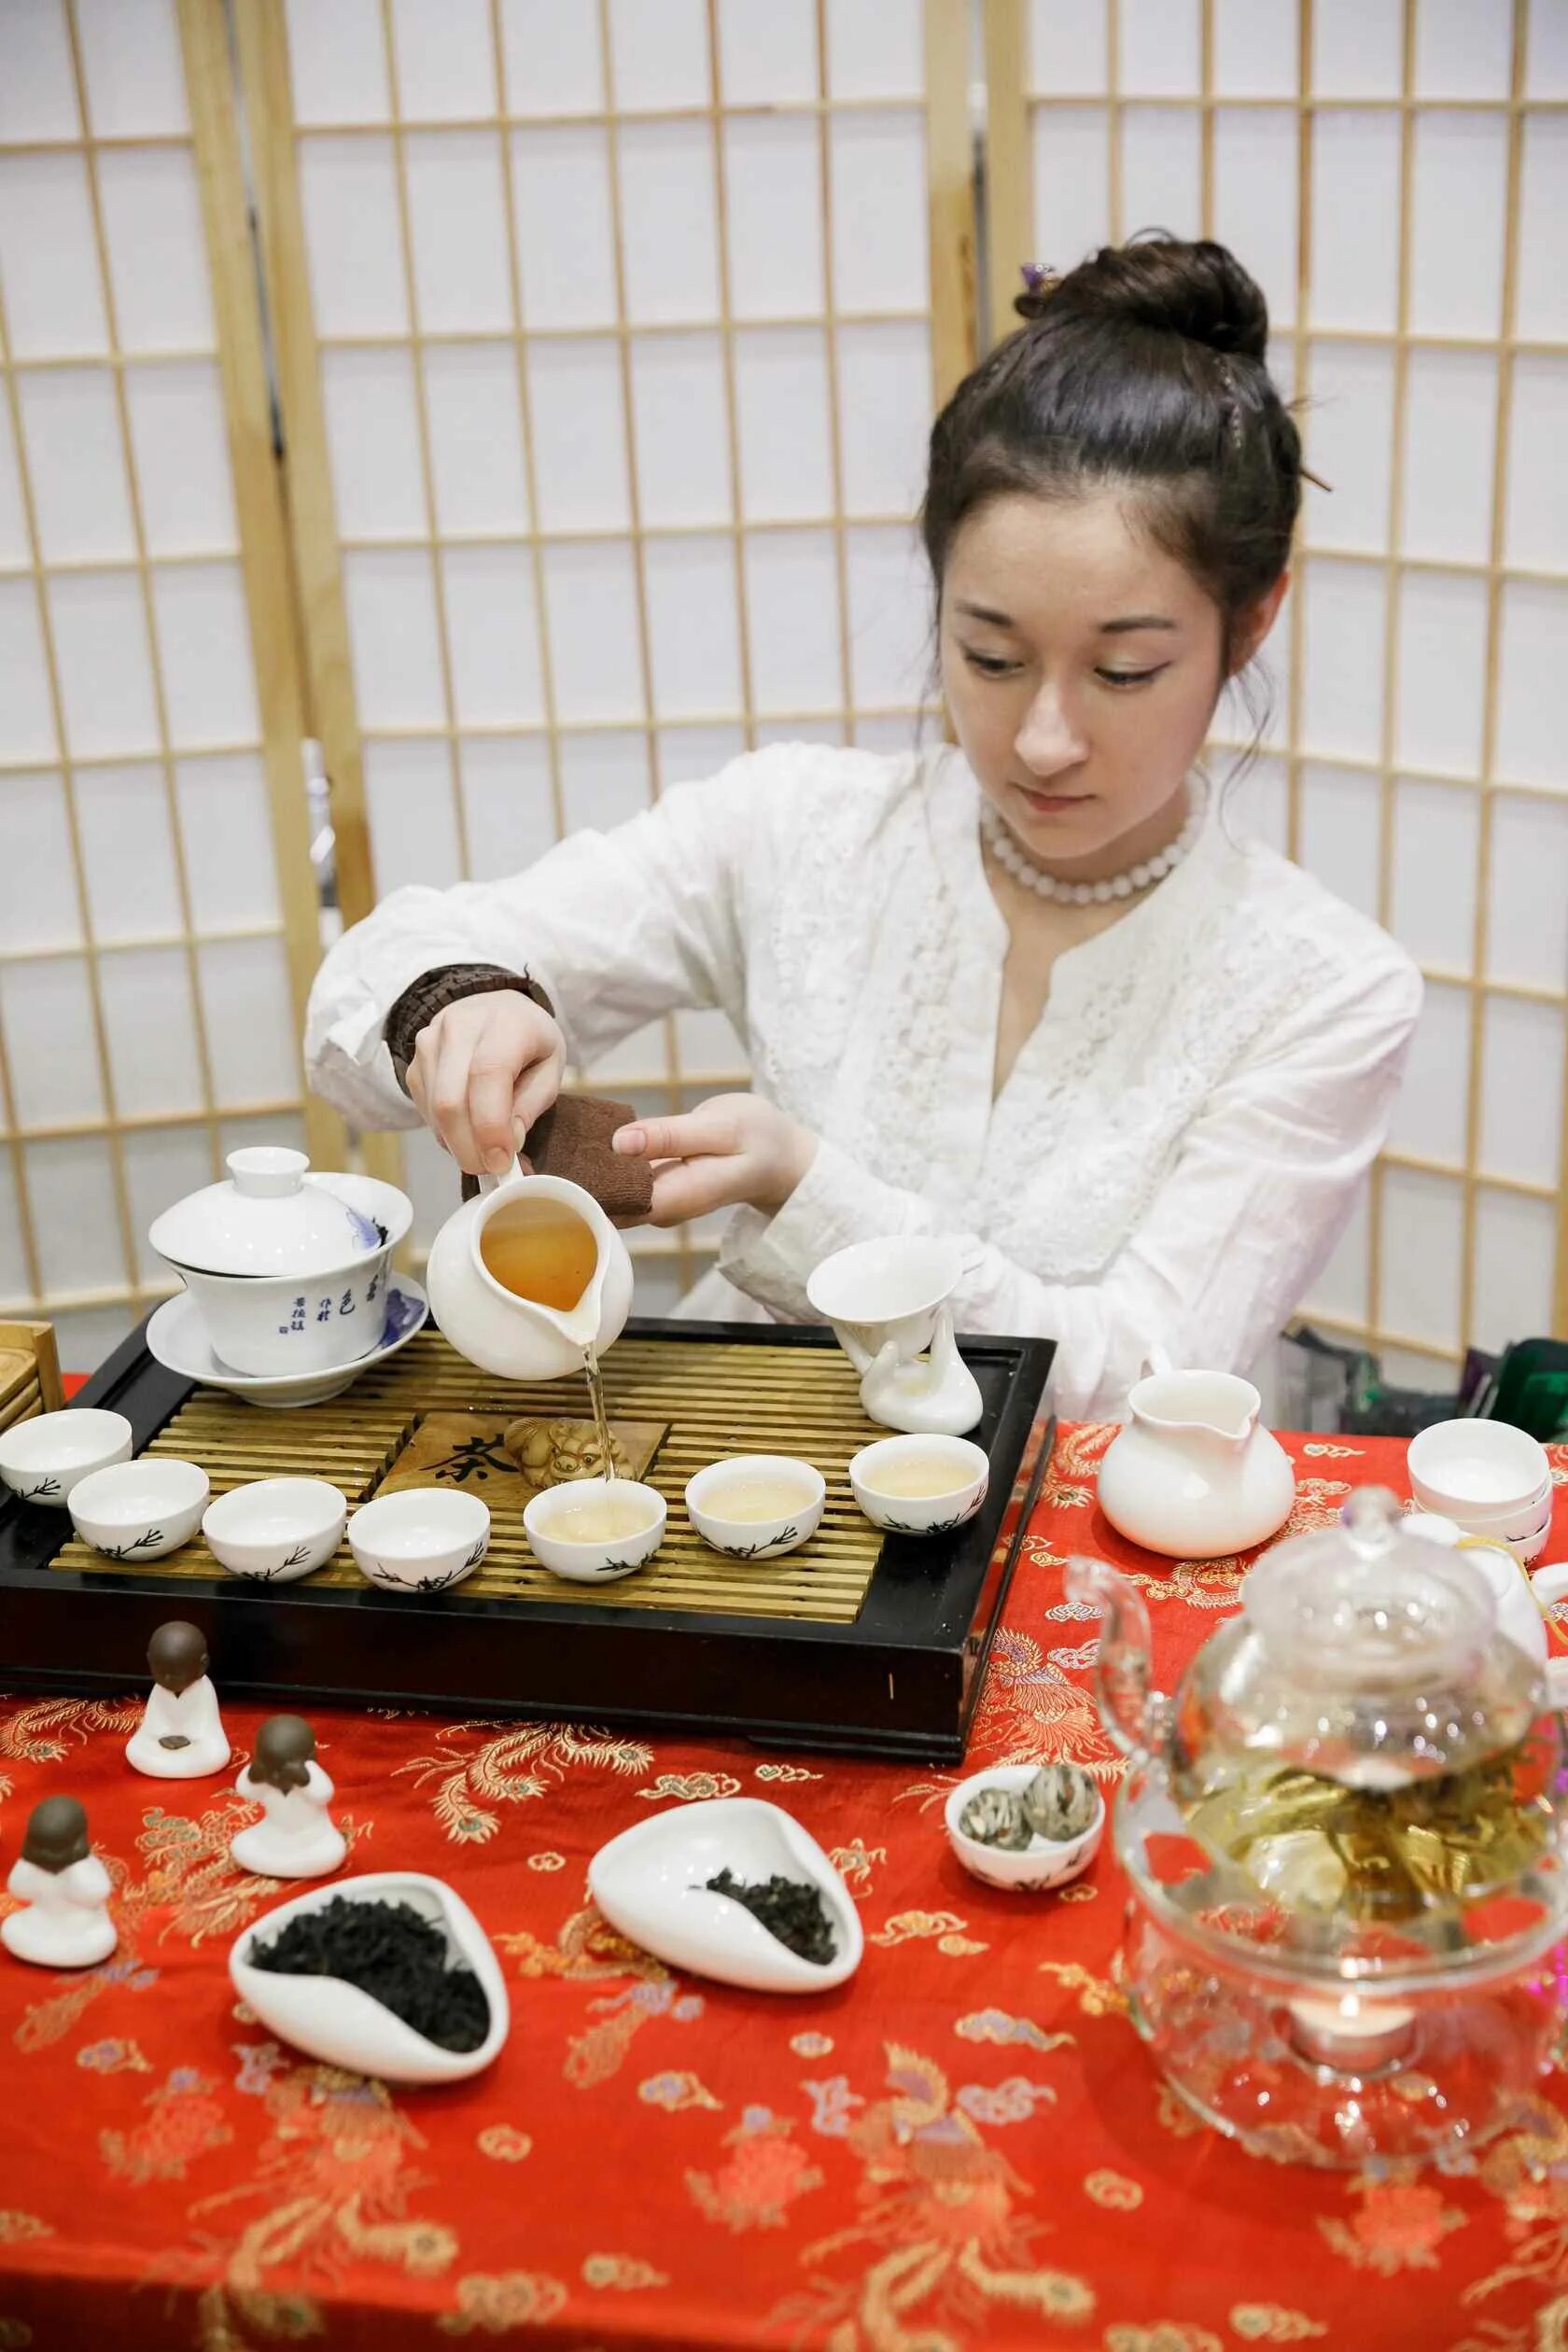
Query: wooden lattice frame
[1012,105]
[260,555]
[319,547]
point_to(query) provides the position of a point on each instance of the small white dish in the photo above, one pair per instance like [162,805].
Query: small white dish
[1478,1482]
[1526,1544]
[275,1530]
[342,2026]
[607,1559]
[1484,1474]
[176,1338]
[1519,1516]
[1044,1863]
[43,1459]
[754,1538]
[140,1510]
[921,1514]
[650,1883]
[1527,1549]
[423,1540]
[1518,1519]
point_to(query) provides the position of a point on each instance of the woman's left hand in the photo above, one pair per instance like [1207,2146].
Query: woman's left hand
[736,1148]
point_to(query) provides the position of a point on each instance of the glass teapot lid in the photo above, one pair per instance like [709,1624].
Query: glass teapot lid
[1367,1656]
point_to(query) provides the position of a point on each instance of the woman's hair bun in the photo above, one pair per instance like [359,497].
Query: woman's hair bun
[1197,289]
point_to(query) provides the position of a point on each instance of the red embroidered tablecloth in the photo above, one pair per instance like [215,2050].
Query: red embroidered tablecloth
[965,2145]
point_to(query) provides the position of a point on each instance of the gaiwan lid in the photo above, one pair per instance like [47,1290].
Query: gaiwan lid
[271,1216]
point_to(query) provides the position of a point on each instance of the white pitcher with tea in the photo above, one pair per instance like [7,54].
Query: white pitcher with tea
[530,1281]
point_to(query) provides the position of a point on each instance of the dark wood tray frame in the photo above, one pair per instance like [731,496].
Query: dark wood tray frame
[900,1681]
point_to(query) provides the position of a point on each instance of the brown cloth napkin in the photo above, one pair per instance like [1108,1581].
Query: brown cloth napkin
[572,1141]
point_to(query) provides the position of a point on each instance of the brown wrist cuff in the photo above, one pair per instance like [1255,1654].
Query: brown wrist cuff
[433,991]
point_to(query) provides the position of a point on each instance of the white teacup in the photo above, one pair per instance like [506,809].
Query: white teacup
[888,1302]
[1491,1479]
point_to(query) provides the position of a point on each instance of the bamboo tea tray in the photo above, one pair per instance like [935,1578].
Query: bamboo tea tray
[857,1641]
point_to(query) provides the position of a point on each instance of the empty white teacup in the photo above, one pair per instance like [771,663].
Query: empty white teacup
[44,1459]
[422,1539]
[140,1510]
[887,1302]
[1490,1478]
[276,1529]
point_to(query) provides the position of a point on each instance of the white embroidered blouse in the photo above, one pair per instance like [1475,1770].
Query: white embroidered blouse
[1173,1153]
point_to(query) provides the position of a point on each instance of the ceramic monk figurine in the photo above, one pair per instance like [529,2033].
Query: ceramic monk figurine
[181,1734]
[65,1888]
[297,1837]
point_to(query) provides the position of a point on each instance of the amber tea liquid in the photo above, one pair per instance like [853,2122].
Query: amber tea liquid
[541,1251]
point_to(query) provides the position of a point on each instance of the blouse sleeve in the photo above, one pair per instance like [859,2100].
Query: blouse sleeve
[617,927]
[1241,1225]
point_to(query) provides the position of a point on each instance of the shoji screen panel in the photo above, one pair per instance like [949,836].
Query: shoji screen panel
[1392,171]
[621,316]
[148,996]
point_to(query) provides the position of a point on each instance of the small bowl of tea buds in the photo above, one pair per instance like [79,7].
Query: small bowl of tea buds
[1026,1826]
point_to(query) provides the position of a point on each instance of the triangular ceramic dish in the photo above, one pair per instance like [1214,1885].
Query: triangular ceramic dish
[649,1884]
[345,2027]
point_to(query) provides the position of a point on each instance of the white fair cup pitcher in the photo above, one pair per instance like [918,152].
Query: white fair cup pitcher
[1194,1474]
[515,1338]
[888,1302]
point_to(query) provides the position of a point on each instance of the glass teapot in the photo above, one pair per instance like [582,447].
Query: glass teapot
[1344,1837]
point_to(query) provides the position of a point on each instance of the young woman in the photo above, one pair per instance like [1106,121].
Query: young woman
[1028,991]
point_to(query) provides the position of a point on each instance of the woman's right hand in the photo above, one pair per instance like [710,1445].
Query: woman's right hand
[484,1070]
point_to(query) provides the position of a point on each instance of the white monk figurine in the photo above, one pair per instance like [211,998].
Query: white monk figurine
[297,1837]
[65,1888]
[181,1735]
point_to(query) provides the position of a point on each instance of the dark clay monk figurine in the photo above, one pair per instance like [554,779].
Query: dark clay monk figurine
[296,1837]
[65,1888]
[181,1734]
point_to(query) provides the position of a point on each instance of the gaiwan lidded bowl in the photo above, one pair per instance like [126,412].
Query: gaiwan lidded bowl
[1344,1836]
[288,1269]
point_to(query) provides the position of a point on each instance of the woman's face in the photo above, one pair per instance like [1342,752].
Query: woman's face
[1081,667]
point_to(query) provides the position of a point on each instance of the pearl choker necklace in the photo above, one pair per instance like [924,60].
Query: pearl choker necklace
[1007,853]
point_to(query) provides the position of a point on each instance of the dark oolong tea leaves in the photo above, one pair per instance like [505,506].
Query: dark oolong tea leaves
[393,1952]
[790,1909]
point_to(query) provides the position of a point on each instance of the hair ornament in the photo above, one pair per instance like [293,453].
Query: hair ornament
[1234,426]
[1040,283]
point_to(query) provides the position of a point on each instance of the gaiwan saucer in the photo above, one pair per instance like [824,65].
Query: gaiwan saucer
[650,1883]
[344,2026]
[176,1338]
